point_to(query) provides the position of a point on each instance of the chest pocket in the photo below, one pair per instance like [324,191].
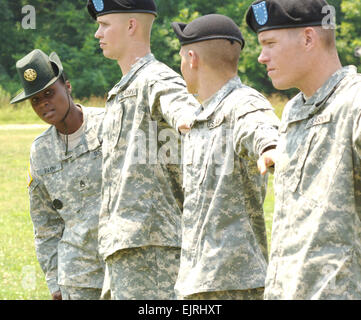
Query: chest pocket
[57,186]
[318,158]
[123,103]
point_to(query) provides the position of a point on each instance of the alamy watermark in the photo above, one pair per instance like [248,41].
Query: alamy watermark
[166,147]
[329,21]
[29,20]
[28,278]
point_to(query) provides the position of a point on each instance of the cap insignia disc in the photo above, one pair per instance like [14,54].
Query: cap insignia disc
[30,75]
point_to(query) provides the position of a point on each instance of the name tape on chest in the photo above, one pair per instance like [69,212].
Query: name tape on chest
[49,170]
[321,119]
[127,94]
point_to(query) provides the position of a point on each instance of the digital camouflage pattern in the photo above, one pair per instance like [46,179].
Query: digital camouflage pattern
[143,273]
[142,195]
[316,236]
[66,237]
[75,293]
[224,245]
[249,294]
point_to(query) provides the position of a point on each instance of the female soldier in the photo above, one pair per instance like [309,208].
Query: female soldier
[64,180]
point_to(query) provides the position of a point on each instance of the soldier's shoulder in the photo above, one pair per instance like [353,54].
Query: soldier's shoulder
[42,143]
[245,99]
[291,105]
[158,70]
[94,112]
[246,93]
[43,139]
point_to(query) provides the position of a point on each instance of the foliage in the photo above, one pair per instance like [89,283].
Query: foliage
[66,27]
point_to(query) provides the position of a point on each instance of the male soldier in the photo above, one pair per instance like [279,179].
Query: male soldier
[64,180]
[142,196]
[316,237]
[224,245]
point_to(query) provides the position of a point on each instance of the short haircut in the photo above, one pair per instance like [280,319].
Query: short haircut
[219,54]
[327,36]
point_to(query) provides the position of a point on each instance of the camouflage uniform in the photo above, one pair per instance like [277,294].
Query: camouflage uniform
[224,245]
[76,293]
[249,294]
[316,236]
[65,201]
[142,195]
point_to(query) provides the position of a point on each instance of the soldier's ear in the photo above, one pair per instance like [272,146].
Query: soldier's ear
[132,25]
[194,59]
[68,87]
[309,35]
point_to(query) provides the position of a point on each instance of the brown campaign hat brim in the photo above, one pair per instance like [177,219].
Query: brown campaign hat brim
[22,96]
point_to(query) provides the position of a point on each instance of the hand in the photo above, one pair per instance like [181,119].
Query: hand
[267,160]
[57,295]
[184,128]
[185,123]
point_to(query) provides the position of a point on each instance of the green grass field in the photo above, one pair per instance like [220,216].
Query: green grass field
[20,275]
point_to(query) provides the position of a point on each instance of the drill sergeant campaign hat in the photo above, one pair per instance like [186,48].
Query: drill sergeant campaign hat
[265,15]
[37,71]
[208,27]
[98,8]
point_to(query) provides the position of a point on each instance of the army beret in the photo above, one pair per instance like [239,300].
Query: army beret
[208,27]
[265,15]
[98,8]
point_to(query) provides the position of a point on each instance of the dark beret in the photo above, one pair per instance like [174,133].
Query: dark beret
[208,27]
[98,8]
[265,15]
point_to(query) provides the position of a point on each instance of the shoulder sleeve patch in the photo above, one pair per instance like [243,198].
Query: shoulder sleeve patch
[30,178]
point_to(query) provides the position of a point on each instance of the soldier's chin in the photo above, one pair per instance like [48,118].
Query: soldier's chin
[109,55]
[280,85]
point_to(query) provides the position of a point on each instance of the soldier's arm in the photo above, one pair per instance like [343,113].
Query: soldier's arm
[170,98]
[357,132]
[256,131]
[48,230]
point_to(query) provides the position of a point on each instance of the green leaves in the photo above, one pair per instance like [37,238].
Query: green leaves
[66,27]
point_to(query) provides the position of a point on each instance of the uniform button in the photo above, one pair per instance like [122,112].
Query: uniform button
[57,204]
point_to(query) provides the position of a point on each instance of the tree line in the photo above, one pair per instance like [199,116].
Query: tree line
[65,27]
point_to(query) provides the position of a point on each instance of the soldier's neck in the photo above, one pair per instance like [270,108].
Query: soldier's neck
[211,82]
[139,51]
[319,75]
[73,120]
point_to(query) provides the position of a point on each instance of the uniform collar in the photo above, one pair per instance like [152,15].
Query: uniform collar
[90,140]
[211,104]
[127,77]
[303,108]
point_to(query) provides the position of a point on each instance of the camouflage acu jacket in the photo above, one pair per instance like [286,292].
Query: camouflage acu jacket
[142,194]
[224,245]
[65,198]
[316,236]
